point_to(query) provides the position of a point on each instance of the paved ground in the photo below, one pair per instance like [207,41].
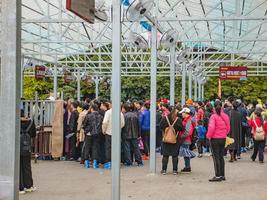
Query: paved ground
[58,180]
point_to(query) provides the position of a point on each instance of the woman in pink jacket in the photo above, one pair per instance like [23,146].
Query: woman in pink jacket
[219,127]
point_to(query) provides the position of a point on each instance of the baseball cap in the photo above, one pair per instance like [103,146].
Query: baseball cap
[185,110]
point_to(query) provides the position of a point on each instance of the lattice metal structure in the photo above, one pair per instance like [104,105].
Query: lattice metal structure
[217,32]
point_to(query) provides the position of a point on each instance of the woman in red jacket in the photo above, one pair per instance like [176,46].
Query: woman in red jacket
[254,122]
[219,127]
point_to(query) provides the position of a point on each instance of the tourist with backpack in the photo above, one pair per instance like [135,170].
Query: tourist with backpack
[92,128]
[171,126]
[186,139]
[27,132]
[259,132]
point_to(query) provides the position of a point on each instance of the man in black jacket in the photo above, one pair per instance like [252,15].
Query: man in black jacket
[92,129]
[130,133]
[73,130]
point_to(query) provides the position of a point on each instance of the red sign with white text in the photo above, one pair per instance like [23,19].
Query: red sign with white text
[233,73]
[39,72]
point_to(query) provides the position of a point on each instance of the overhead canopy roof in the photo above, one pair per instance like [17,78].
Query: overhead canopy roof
[236,27]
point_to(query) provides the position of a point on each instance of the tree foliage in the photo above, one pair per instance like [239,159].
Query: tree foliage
[139,88]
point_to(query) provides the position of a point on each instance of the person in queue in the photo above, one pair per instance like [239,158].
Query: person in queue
[130,133]
[28,131]
[168,149]
[219,127]
[257,122]
[145,129]
[107,131]
[186,140]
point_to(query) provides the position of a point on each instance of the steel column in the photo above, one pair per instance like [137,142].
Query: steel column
[78,85]
[10,86]
[195,88]
[190,83]
[96,87]
[116,99]
[199,90]
[183,82]
[153,98]
[22,78]
[55,81]
[172,76]
[202,91]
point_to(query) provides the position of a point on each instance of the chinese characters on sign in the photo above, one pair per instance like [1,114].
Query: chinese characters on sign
[233,73]
[39,72]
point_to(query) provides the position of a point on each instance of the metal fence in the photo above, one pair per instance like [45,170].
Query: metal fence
[42,112]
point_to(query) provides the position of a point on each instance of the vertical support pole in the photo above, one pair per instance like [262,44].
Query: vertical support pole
[183,82]
[190,83]
[172,76]
[199,91]
[78,85]
[195,88]
[116,99]
[96,87]
[10,98]
[153,99]
[55,80]
[202,92]
[22,77]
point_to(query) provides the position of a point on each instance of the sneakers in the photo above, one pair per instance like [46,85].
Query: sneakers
[31,189]
[144,157]
[199,156]
[95,164]
[140,164]
[223,178]
[163,172]
[22,192]
[107,165]
[175,172]
[186,170]
[86,164]
[215,179]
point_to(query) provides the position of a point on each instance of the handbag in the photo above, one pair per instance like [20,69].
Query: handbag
[170,136]
[140,144]
[229,141]
[260,135]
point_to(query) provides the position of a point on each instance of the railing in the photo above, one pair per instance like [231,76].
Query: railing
[41,112]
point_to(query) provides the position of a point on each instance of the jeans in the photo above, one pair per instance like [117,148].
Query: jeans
[91,147]
[131,145]
[165,160]
[217,149]
[258,148]
[25,175]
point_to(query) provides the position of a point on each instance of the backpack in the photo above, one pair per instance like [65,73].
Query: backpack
[260,135]
[25,141]
[97,126]
[169,135]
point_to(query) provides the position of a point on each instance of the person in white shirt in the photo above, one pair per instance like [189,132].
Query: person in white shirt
[107,131]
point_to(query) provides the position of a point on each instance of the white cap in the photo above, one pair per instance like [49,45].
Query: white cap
[185,110]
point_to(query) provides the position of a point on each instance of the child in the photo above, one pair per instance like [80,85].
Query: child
[201,132]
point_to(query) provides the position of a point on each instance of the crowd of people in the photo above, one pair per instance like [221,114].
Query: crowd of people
[199,127]
[204,128]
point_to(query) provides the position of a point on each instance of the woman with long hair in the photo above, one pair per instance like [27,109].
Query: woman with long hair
[219,127]
[168,149]
[255,122]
